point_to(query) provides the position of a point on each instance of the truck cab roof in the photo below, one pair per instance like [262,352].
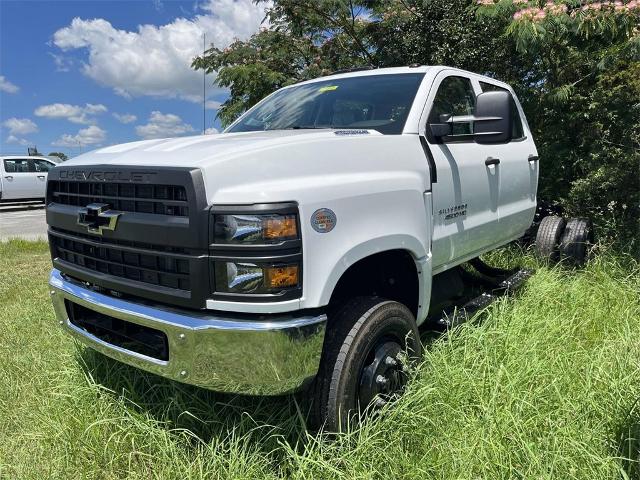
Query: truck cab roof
[369,72]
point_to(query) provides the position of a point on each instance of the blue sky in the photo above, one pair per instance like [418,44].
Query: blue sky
[76,75]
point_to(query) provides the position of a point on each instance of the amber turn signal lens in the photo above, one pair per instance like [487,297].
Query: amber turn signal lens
[281,277]
[280,227]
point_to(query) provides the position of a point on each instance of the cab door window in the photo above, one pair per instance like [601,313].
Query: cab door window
[18,166]
[42,165]
[455,96]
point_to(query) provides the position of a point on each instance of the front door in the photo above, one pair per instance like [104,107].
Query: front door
[42,168]
[465,190]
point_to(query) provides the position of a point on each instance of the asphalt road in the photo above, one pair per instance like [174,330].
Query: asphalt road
[23,221]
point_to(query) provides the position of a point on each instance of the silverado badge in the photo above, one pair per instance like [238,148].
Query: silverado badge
[98,217]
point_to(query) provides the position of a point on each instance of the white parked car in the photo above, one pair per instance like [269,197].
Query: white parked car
[23,177]
[301,248]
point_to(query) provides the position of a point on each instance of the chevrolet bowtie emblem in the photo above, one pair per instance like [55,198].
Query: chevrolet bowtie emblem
[98,217]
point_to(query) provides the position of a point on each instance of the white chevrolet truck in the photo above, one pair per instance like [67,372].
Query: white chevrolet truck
[301,249]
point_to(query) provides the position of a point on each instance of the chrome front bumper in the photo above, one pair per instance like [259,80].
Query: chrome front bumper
[257,355]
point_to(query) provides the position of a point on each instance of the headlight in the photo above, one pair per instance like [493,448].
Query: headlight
[244,277]
[256,252]
[261,229]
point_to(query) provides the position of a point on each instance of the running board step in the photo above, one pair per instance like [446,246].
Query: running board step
[453,317]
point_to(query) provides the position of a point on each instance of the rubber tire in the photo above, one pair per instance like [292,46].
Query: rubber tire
[548,237]
[576,240]
[351,333]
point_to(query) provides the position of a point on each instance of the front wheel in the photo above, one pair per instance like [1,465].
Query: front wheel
[363,363]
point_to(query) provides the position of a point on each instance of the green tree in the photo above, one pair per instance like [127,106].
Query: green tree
[307,39]
[574,65]
[582,99]
[60,155]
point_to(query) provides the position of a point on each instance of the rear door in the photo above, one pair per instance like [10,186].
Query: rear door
[19,179]
[465,191]
[518,171]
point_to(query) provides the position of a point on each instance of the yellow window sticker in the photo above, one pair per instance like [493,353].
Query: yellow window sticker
[328,88]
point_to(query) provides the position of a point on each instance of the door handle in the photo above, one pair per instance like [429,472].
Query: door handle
[41,177]
[491,161]
[532,158]
[9,177]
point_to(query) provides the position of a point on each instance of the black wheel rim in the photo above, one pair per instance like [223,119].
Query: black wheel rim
[382,377]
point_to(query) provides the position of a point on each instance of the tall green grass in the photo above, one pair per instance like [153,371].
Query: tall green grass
[546,384]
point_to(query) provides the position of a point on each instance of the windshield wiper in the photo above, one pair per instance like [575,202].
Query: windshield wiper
[307,127]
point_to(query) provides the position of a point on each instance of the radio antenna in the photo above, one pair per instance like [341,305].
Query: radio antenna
[204,86]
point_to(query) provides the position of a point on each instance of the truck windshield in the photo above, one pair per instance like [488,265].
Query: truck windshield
[377,102]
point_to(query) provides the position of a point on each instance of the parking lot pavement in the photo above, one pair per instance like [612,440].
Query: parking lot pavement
[23,221]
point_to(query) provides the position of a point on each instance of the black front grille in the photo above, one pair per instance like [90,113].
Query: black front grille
[120,243]
[126,197]
[151,266]
[131,336]
[157,249]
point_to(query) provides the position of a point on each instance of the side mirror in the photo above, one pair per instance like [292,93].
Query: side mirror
[493,117]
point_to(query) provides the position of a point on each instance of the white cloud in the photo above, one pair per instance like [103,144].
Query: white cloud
[20,126]
[87,136]
[20,141]
[94,109]
[62,63]
[163,125]
[73,113]
[211,131]
[156,60]
[212,105]
[125,117]
[7,86]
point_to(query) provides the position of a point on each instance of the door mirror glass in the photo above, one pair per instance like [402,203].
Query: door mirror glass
[493,117]
[517,130]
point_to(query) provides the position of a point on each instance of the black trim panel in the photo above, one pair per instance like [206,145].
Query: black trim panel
[432,164]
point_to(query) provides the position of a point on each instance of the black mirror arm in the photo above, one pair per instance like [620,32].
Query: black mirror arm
[439,130]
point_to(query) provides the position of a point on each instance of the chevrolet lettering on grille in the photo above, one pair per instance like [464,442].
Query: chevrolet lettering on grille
[97,176]
[98,217]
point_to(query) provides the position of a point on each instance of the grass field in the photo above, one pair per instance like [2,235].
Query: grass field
[546,385]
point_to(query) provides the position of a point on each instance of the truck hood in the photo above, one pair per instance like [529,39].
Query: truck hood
[199,151]
[267,166]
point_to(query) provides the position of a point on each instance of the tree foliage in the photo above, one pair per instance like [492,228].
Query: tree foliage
[307,39]
[574,65]
[60,155]
[582,99]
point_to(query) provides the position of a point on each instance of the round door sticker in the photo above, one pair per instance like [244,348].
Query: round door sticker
[323,220]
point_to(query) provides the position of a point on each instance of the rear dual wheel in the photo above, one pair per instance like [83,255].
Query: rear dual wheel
[576,240]
[561,240]
[548,237]
[367,345]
